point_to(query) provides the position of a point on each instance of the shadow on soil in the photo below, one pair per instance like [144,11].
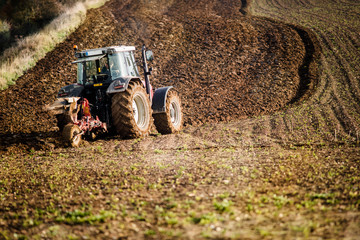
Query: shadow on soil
[17,143]
[308,71]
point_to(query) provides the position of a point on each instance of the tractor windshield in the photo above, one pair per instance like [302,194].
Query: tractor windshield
[95,70]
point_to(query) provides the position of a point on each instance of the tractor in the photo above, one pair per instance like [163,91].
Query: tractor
[110,97]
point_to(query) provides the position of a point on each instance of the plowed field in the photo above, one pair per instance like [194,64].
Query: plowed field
[226,66]
[270,149]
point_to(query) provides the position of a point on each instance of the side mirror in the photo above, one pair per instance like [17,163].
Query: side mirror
[149,55]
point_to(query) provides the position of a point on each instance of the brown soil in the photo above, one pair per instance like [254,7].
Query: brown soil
[271,144]
[226,66]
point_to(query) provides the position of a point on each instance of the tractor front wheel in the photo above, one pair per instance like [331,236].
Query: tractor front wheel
[71,135]
[131,111]
[171,120]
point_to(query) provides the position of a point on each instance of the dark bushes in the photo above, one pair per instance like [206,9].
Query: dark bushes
[27,16]
[4,34]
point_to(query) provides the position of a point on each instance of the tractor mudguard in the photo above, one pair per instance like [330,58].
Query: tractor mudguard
[73,90]
[120,84]
[159,99]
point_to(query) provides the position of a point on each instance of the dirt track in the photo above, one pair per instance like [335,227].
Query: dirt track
[276,158]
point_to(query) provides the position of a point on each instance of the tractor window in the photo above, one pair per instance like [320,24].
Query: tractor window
[118,65]
[80,73]
[131,65]
[104,66]
[134,65]
[90,70]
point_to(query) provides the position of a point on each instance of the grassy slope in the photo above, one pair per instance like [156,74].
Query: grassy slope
[24,55]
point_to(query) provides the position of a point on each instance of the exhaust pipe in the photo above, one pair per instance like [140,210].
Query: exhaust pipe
[147,72]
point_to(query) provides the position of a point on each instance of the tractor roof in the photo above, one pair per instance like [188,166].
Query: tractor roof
[102,51]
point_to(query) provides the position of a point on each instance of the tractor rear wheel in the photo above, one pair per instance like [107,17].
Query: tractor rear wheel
[71,135]
[131,111]
[171,120]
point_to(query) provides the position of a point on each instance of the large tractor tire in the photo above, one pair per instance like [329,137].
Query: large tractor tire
[131,111]
[171,120]
[71,135]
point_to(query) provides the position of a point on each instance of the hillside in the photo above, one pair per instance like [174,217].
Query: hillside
[227,66]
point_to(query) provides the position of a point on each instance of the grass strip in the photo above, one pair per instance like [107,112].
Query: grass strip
[18,59]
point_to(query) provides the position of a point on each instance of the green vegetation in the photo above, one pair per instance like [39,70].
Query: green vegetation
[302,192]
[80,217]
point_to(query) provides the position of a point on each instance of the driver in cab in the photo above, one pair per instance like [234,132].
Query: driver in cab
[105,69]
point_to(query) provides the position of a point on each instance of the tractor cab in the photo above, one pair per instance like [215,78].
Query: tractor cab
[104,65]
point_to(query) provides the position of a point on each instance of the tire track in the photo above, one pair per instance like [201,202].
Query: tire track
[339,87]
[342,116]
[346,78]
